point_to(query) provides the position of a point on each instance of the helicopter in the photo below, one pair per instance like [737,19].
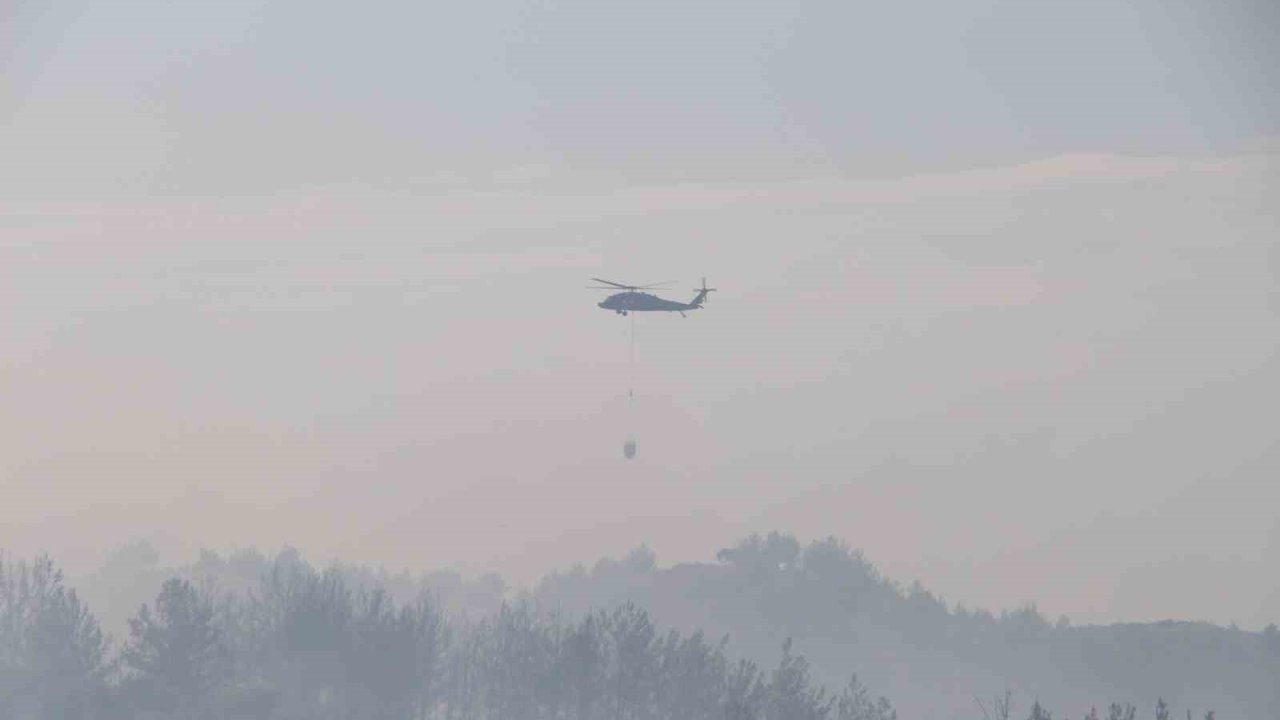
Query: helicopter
[631,299]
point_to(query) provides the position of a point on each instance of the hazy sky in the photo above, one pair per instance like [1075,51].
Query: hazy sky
[1000,287]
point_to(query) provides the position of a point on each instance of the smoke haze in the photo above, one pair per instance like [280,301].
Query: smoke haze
[998,288]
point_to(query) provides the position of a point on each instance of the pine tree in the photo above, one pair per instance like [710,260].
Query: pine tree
[855,703]
[745,692]
[52,650]
[177,660]
[792,694]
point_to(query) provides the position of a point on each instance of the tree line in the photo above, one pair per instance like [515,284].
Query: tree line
[313,644]
[302,643]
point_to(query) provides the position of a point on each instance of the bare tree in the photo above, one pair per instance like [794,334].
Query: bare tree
[1121,712]
[1001,707]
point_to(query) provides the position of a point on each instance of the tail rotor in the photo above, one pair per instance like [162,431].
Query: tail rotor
[703,292]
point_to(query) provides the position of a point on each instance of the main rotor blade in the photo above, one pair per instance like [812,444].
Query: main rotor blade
[620,286]
[633,288]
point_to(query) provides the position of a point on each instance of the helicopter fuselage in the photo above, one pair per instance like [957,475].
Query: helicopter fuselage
[628,302]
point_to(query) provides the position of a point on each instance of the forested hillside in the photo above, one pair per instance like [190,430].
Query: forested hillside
[931,659]
[771,629]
